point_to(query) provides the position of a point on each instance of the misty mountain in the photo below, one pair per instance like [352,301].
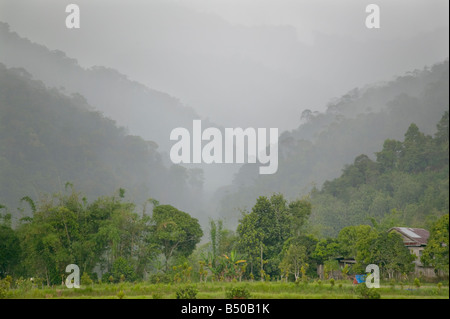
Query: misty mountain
[143,111]
[255,71]
[407,184]
[357,123]
[48,138]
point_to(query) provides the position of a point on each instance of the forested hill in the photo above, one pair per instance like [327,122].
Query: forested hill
[406,185]
[357,123]
[48,139]
[145,112]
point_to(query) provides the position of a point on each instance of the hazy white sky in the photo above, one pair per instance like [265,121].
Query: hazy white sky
[341,17]
[400,18]
[243,62]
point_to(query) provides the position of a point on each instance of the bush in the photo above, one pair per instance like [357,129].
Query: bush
[187,292]
[237,293]
[367,293]
[392,283]
[86,280]
[159,278]
[106,277]
[301,282]
[121,294]
[5,284]
[332,282]
[417,282]
[123,270]
[24,284]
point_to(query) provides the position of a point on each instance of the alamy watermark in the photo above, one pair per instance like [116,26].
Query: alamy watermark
[262,146]
[73,279]
[373,278]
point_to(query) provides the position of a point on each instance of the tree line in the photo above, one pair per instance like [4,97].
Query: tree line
[112,241]
[107,236]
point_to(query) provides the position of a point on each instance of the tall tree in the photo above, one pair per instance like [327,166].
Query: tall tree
[388,158]
[174,232]
[436,253]
[294,259]
[271,222]
[414,156]
[388,251]
[250,239]
[9,246]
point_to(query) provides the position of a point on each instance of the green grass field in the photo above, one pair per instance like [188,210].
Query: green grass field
[217,290]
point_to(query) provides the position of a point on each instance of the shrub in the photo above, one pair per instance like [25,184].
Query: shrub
[237,293]
[392,283]
[86,280]
[332,282]
[107,277]
[187,292]
[417,282]
[24,284]
[121,294]
[157,295]
[123,270]
[367,293]
[159,278]
[5,284]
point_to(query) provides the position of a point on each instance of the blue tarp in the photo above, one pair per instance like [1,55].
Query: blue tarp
[360,278]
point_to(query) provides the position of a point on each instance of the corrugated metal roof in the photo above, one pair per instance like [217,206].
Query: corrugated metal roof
[416,235]
[409,231]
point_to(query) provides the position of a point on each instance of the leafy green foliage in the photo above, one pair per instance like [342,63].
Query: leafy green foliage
[9,246]
[86,279]
[367,293]
[435,253]
[123,270]
[388,251]
[263,232]
[186,292]
[65,229]
[293,261]
[237,292]
[417,282]
[121,294]
[174,232]
[5,285]
[106,233]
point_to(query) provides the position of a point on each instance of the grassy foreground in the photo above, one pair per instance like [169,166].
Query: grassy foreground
[217,290]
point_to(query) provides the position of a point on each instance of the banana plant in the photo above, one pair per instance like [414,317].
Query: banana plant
[208,262]
[236,263]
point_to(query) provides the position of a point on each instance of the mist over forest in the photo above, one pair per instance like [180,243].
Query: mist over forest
[89,121]
[65,118]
